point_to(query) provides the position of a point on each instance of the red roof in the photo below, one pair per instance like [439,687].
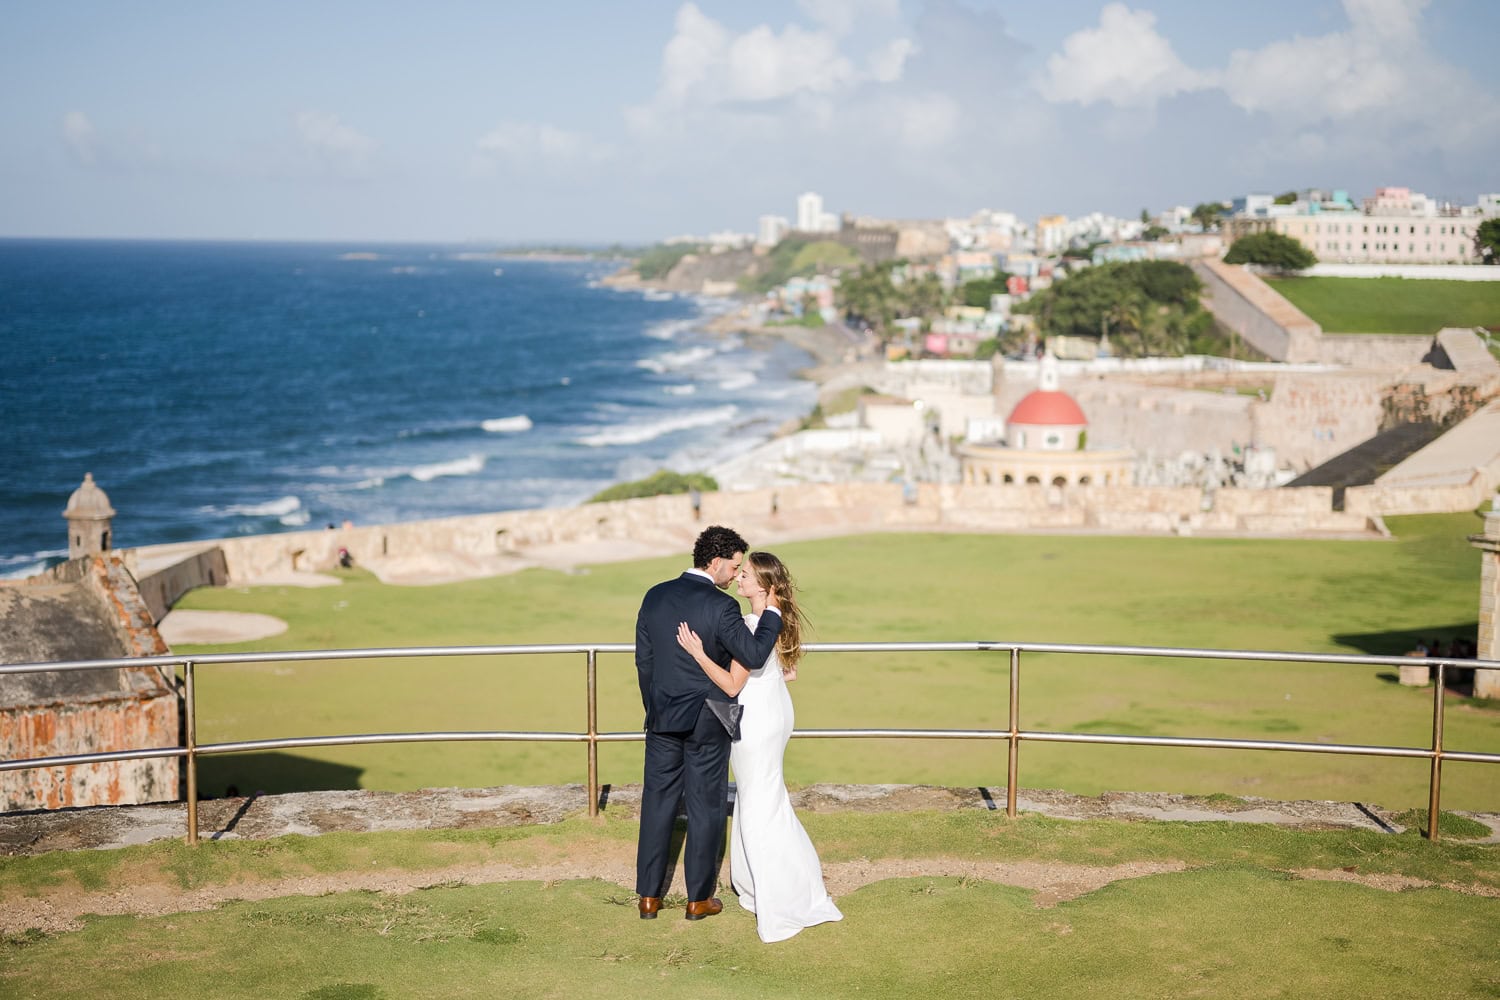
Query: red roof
[1047,408]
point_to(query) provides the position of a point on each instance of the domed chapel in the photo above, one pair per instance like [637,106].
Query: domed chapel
[1045,443]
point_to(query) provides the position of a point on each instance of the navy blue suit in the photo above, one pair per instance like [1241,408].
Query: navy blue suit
[687,749]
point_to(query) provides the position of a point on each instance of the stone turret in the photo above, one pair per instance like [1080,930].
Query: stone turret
[89,520]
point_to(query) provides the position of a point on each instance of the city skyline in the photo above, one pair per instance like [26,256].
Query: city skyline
[589,122]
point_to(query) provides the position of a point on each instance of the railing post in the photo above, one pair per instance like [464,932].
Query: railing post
[1013,744]
[593,672]
[1435,782]
[191,760]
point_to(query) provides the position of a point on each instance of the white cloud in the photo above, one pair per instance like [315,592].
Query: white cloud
[1124,61]
[705,64]
[525,144]
[81,137]
[842,16]
[747,82]
[919,122]
[1393,19]
[1377,64]
[109,149]
[336,146]
[887,63]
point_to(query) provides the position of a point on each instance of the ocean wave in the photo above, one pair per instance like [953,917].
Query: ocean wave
[507,425]
[669,329]
[20,567]
[676,360]
[280,507]
[739,380]
[295,519]
[466,466]
[679,390]
[639,433]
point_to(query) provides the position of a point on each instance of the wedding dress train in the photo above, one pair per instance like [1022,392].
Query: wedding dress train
[772,864]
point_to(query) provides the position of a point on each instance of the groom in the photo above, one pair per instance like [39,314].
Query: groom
[687,748]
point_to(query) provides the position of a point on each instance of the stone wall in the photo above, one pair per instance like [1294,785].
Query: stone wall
[1311,418]
[1487,682]
[1373,350]
[1251,308]
[59,714]
[667,524]
[1171,421]
[161,588]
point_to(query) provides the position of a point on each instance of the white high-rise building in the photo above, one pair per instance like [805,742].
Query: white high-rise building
[809,212]
[772,229]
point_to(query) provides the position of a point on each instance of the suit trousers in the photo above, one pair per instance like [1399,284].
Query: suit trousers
[694,767]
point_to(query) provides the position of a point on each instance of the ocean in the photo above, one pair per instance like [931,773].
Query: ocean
[220,389]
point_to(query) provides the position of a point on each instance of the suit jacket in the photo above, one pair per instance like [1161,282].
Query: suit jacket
[673,686]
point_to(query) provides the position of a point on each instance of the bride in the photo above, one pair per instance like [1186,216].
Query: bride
[772,864]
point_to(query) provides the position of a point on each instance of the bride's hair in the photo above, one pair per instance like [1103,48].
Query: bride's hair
[772,572]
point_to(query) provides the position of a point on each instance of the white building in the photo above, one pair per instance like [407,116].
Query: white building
[811,218]
[1397,226]
[1384,239]
[771,229]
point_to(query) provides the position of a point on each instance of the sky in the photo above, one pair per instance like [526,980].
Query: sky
[571,121]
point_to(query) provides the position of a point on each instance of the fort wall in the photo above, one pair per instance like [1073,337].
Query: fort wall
[59,714]
[505,540]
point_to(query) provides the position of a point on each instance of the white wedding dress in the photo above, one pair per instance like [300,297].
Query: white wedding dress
[772,864]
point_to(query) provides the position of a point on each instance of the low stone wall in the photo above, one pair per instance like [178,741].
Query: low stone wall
[161,588]
[1371,350]
[1379,501]
[1418,272]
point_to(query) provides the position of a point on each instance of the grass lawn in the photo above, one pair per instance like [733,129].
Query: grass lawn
[1225,910]
[1333,596]
[1392,305]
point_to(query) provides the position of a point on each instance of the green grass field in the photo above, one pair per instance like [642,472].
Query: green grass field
[1393,305]
[1221,912]
[1334,596]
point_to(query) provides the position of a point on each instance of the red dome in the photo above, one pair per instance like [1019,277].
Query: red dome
[1047,408]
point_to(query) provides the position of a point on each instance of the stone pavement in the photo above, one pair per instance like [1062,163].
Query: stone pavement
[260,817]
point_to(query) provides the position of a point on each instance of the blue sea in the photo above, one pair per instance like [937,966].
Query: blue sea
[219,389]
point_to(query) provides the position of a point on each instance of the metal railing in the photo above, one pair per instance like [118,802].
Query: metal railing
[1436,753]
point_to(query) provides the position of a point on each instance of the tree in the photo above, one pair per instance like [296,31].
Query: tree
[870,295]
[978,291]
[1208,213]
[1273,250]
[1286,198]
[1487,241]
[1144,307]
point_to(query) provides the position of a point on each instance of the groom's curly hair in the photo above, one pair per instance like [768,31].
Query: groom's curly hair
[716,542]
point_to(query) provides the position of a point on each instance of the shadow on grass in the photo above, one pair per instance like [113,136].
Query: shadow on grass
[272,773]
[1399,642]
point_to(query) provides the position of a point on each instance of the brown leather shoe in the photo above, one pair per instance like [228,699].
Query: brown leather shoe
[649,905]
[704,908]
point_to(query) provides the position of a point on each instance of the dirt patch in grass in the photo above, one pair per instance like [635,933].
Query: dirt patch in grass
[1052,883]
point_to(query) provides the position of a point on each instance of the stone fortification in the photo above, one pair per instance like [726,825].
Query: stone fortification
[1487,682]
[485,544]
[84,609]
[1373,350]
[1251,308]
